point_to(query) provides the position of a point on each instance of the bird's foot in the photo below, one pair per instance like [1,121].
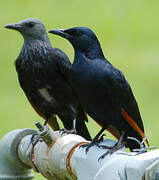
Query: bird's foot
[100,139]
[71,131]
[95,141]
[88,146]
[111,149]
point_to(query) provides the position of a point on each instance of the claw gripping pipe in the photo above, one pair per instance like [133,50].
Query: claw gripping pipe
[59,157]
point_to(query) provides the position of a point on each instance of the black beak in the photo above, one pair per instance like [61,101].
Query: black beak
[61,32]
[13,26]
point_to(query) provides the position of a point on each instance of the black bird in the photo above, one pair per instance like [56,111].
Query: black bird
[103,90]
[43,76]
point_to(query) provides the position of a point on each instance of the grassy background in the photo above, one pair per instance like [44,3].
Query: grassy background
[128,32]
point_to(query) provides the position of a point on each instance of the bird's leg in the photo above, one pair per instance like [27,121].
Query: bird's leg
[96,140]
[71,131]
[74,126]
[111,149]
[100,139]
[74,121]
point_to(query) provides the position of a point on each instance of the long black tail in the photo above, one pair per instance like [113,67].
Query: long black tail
[81,127]
[52,121]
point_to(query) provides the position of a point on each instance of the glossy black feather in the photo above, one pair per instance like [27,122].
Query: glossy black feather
[102,88]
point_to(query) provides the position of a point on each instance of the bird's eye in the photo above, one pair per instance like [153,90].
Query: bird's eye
[30,24]
[77,32]
[74,32]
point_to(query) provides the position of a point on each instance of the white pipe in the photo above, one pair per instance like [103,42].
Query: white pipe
[10,165]
[59,157]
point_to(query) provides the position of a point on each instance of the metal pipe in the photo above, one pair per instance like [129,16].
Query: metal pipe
[11,167]
[49,156]
[59,156]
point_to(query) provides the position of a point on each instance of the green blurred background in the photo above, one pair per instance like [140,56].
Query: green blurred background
[129,34]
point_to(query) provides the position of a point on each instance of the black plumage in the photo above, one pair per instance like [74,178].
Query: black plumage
[43,75]
[103,90]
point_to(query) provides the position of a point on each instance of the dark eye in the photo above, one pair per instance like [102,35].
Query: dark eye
[75,32]
[30,24]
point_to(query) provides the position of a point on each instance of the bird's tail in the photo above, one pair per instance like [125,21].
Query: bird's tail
[134,125]
[81,127]
[52,121]
[80,117]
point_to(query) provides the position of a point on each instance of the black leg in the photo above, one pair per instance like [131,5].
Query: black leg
[71,131]
[118,145]
[96,140]
[74,126]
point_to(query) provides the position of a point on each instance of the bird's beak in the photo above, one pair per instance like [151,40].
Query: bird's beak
[61,32]
[13,26]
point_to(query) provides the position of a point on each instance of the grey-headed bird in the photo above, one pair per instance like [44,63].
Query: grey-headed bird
[43,75]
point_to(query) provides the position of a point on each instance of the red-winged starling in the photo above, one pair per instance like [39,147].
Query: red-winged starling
[103,90]
[43,75]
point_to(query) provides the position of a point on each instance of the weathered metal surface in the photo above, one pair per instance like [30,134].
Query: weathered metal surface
[59,157]
[11,167]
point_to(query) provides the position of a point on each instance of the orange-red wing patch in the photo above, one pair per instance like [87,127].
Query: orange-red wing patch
[133,124]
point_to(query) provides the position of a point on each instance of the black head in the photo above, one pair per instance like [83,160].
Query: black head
[30,28]
[81,38]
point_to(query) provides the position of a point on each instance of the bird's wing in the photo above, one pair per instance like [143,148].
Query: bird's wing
[29,97]
[122,94]
[52,121]
[62,61]
[64,70]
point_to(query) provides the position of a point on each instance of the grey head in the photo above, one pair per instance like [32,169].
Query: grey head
[31,29]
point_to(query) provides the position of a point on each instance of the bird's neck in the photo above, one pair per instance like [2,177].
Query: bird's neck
[43,39]
[94,54]
[34,42]
[34,48]
[91,53]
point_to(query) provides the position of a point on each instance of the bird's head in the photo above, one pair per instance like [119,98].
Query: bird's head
[81,38]
[30,28]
